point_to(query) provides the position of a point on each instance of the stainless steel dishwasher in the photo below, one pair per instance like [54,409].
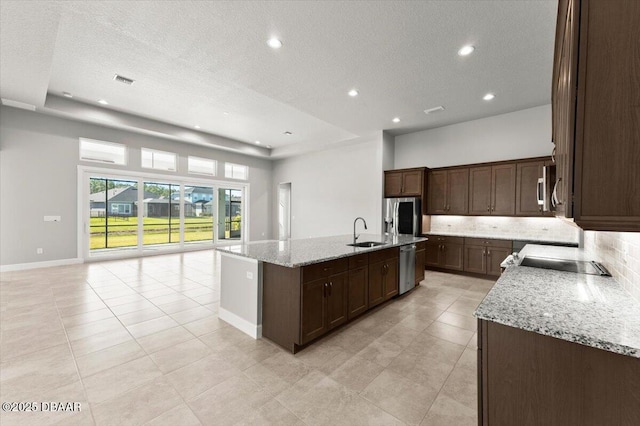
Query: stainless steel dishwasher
[407,268]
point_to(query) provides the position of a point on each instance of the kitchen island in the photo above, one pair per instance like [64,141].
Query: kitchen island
[294,291]
[558,348]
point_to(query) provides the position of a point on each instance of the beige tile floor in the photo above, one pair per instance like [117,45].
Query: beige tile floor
[139,342]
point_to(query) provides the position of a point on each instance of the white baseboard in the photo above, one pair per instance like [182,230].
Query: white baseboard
[241,324]
[36,265]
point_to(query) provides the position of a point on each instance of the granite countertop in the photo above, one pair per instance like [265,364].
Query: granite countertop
[586,309]
[295,253]
[504,236]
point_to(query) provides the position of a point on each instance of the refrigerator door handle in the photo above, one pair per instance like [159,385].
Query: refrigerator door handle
[396,214]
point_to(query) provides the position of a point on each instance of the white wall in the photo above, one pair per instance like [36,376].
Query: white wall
[330,188]
[38,176]
[520,134]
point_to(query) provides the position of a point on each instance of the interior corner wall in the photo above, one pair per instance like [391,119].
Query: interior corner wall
[330,188]
[39,155]
[520,134]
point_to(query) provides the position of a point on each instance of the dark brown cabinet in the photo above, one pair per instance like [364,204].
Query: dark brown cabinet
[420,259]
[525,378]
[527,175]
[383,275]
[404,183]
[595,127]
[445,252]
[492,190]
[358,285]
[484,256]
[448,191]
[324,298]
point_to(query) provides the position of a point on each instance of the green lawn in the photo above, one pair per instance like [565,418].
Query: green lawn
[123,231]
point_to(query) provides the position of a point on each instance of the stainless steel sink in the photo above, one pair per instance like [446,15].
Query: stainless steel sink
[367,244]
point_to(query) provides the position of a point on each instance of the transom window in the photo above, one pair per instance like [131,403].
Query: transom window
[103,152]
[159,160]
[201,166]
[236,171]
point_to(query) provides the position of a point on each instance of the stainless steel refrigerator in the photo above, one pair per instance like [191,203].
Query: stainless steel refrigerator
[403,216]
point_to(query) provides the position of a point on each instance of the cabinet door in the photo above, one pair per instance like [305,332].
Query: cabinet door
[458,192]
[391,278]
[337,300]
[376,283]
[503,190]
[412,183]
[432,253]
[527,188]
[437,192]
[475,259]
[358,291]
[313,308]
[453,255]
[420,256]
[480,190]
[392,184]
[495,256]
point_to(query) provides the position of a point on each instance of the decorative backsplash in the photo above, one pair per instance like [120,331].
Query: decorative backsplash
[514,228]
[619,252]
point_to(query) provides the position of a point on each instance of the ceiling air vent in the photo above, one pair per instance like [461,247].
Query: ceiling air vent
[123,79]
[435,109]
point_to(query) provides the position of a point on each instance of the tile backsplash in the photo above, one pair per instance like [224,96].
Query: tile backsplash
[619,252]
[515,228]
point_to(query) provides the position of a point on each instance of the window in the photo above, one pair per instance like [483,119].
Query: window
[103,152]
[202,166]
[236,171]
[159,160]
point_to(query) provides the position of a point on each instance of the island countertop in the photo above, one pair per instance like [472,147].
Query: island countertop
[586,309]
[301,252]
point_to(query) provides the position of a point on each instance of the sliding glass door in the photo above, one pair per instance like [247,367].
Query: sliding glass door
[164,215]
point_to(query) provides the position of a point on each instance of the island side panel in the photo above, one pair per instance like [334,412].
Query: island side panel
[240,288]
[281,305]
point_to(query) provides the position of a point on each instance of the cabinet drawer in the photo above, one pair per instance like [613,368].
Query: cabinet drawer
[487,242]
[324,269]
[421,245]
[439,239]
[380,255]
[358,261]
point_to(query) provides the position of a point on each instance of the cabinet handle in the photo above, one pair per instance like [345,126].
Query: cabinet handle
[488,208]
[326,287]
[330,288]
[484,252]
[553,155]
[488,252]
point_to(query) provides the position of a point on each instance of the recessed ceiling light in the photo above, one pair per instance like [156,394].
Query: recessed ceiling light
[67,95]
[103,102]
[396,120]
[466,50]
[274,43]
[488,96]
[196,126]
[258,142]
[434,109]
[288,133]
[353,93]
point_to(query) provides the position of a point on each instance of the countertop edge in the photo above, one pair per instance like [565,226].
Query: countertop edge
[363,250]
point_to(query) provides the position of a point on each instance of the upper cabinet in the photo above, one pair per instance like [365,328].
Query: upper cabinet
[596,105]
[492,190]
[448,191]
[404,183]
[527,176]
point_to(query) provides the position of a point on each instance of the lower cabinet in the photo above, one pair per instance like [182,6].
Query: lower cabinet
[420,259]
[484,256]
[383,275]
[474,255]
[300,305]
[445,252]
[525,378]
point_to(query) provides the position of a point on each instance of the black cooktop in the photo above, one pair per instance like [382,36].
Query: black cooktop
[577,266]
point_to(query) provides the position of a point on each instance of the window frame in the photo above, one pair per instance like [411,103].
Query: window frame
[124,147]
[214,162]
[246,169]
[154,151]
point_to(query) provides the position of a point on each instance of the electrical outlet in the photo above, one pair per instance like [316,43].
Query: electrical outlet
[39,250]
[249,275]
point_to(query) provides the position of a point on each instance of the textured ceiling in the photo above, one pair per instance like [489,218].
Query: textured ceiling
[195,60]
